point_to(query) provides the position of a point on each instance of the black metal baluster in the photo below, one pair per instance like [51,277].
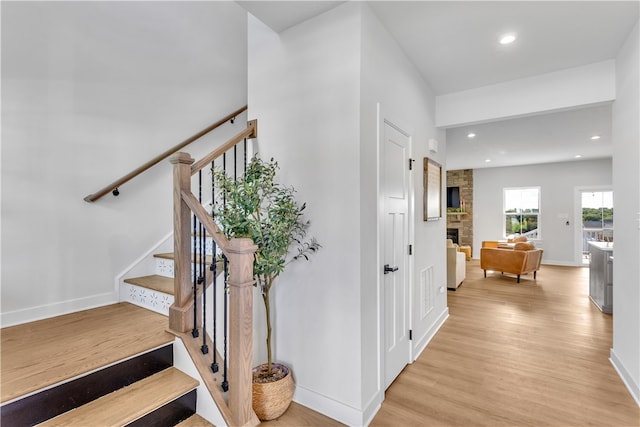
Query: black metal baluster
[203,274]
[214,272]
[194,331]
[244,168]
[214,269]
[225,382]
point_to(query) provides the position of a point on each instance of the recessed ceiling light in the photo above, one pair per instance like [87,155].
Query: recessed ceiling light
[595,137]
[507,38]
[487,160]
[577,156]
[471,135]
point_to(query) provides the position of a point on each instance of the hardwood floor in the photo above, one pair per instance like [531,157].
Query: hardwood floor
[301,416]
[528,354]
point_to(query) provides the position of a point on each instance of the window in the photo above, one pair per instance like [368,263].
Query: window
[522,212]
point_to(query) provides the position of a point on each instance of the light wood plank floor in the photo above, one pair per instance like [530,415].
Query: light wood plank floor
[533,354]
[528,354]
[46,352]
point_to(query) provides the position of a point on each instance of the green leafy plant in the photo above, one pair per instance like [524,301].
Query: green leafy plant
[257,207]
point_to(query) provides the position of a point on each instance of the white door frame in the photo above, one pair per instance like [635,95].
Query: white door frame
[381,120]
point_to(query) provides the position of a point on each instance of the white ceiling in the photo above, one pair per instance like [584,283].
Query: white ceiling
[454,45]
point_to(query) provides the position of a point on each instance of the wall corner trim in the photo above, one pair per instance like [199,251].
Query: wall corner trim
[627,379]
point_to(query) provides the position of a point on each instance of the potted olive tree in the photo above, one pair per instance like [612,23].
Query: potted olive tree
[258,207]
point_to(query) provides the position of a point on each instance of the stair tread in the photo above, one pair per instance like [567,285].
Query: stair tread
[129,403]
[154,281]
[195,421]
[169,255]
[46,352]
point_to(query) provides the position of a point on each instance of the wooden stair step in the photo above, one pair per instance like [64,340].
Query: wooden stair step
[46,352]
[129,403]
[169,255]
[54,401]
[155,282]
[195,421]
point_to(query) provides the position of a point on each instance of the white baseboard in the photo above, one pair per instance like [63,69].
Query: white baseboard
[560,263]
[372,407]
[424,340]
[347,414]
[328,406]
[627,379]
[45,311]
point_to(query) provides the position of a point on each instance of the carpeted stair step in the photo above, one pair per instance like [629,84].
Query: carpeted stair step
[195,421]
[165,398]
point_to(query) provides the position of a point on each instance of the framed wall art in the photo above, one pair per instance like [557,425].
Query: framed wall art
[432,190]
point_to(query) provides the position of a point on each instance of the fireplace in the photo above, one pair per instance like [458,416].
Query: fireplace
[452,233]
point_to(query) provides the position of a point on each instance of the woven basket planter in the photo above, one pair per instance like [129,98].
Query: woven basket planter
[271,399]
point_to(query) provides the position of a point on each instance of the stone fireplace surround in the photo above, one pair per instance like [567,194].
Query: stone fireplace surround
[462,222]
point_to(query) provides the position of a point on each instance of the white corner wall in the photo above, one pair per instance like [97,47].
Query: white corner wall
[392,89]
[315,88]
[625,354]
[90,91]
[558,183]
[303,89]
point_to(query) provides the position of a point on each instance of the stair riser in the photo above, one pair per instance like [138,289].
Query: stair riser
[164,267]
[57,400]
[170,414]
[148,298]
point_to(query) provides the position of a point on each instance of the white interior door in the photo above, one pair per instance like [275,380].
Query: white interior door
[395,283]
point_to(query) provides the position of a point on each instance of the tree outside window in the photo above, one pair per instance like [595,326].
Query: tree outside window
[522,211]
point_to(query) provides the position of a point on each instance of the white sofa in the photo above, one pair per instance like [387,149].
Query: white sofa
[456,265]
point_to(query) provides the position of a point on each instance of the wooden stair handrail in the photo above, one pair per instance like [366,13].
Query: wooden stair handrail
[251,131]
[206,220]
[116,184]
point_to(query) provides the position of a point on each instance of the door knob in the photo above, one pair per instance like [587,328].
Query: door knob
[388,269]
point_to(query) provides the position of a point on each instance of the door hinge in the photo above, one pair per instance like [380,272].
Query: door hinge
[410,249]
[411,164]
[410,334]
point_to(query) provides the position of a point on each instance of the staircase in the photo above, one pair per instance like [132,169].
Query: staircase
[155,291]
[117,369]
[178,285]
[88,368]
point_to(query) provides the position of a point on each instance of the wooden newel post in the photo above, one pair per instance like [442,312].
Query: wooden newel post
[180,313]
[241,253]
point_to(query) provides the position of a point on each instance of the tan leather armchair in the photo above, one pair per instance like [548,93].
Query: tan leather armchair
[524,258]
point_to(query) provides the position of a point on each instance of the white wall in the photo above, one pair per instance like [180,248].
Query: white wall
[579,86]
[91,90]
[625,354]
[557,182]
[389,80]
[315,89]
[304,90]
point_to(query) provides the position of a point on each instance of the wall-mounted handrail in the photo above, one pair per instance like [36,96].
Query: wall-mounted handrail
[113,187]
